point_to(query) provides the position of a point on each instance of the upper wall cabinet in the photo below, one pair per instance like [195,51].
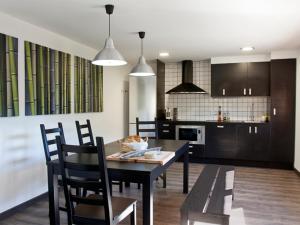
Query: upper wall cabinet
[228,79]
[258,78]
[240,79]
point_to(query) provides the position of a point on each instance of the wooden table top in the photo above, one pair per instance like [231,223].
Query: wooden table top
[114,147]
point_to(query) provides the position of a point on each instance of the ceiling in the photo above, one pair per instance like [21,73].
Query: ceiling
[187,29]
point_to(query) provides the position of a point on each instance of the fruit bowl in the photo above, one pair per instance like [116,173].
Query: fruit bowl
[134,143]
[136,146]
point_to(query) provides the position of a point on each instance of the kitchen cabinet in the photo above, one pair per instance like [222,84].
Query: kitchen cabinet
[160,90]
[240,79]
[253,142]
[166,130]
[283,92]
[220,141]
[228,79]
[258,79]
[196,152]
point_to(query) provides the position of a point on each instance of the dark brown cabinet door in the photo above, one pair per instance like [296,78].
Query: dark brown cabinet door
[261,142]
[160,91]
[258,79]
[228,79]
[283,91]
[220,141]
[253,142]
[196,151]
[245,142]
[166,130]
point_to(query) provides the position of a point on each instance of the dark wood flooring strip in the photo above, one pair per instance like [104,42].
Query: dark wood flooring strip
[262,197]
[23,206]
[297,171]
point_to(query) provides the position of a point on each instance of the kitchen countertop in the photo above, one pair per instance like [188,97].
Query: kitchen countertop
[196,122]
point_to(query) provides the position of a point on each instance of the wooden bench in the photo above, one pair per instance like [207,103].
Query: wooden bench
[211,197]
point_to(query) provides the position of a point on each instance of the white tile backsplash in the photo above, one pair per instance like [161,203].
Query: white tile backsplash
[204,107]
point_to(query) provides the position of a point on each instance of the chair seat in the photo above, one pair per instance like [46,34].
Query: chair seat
[119,206]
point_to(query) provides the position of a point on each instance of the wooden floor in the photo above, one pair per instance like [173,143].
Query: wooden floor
[262,196]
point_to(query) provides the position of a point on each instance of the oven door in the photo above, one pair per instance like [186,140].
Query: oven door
[189,133]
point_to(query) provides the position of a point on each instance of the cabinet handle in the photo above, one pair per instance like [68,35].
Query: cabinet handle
[274,111]
[165,125]
[224,91]
[191,146]
[250,91]
[255,130]
[219,126]
[245,91]
[190,153]
[250,129]
[165,131]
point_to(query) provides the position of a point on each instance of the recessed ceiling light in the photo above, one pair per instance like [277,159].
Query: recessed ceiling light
[164,54]
[247,49]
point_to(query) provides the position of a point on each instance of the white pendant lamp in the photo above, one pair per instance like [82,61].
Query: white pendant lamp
[109,56]
[142,69]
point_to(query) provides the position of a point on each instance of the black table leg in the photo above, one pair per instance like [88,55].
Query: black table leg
[53,197]
[186,172]
[148,201]
[165,179]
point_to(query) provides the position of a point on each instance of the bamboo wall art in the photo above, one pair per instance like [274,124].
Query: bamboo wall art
[88,86]
[9,94]
[47,80]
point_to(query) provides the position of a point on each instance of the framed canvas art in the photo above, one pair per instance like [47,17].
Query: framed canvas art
[47,80]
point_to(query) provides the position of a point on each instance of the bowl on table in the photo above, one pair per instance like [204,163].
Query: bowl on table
[137,146]
[134,143]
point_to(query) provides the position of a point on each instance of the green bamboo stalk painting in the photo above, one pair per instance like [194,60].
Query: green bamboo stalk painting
[9,94]
[47,80]
[88,93]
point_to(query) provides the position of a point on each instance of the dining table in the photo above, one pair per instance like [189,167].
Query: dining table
[128,172]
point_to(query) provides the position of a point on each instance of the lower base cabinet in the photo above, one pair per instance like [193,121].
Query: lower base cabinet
[196,151]
[220,141]
[253,142]
[238,141]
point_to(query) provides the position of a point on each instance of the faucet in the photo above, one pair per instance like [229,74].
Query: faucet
[252,112]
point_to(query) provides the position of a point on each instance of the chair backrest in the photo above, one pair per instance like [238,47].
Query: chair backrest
[88,134]
[146,128]
[47,142]
[91,177]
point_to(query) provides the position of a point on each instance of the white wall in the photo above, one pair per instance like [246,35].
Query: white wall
[23,171]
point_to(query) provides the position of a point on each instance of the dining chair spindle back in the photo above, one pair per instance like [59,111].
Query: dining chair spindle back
[99,208]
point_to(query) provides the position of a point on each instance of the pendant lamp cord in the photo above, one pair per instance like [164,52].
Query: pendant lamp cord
[109,25]
[142,47]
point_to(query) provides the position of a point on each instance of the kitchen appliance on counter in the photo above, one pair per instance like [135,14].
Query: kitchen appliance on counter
[194,134]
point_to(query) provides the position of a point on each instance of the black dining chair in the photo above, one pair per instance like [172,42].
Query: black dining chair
[149,129]
[47,142]
[85,137]
[95,209]
[48,137]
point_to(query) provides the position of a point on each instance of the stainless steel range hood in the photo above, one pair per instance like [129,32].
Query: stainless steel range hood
[187,86]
